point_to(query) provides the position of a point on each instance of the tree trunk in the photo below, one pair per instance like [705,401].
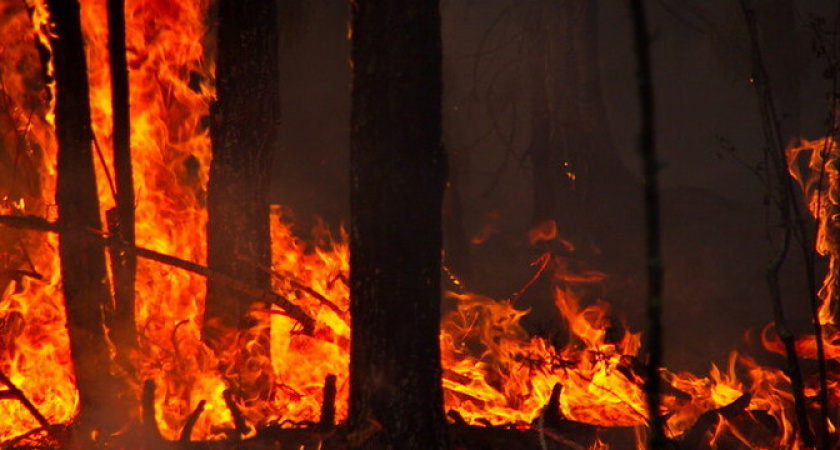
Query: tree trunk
[83,272]
[244,132]
[398,172]
[121,221]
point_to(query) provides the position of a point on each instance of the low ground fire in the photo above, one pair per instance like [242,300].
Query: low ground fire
[582,390]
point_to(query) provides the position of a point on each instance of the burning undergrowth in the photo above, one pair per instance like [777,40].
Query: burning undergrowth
[495,372]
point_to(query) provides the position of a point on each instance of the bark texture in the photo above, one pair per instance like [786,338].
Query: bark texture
[244,132]
[121,222]
[398,172]
[83,271]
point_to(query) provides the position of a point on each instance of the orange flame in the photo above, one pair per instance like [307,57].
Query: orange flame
[820,182]
[494,370]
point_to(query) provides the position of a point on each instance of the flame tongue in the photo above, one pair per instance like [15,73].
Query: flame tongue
[494,370]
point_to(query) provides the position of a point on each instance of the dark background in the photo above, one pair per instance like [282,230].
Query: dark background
[717,227]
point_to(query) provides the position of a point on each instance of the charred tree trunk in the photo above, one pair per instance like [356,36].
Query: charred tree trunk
[121,221]
[398,172]
[244,133]
[83,271]
[653,254]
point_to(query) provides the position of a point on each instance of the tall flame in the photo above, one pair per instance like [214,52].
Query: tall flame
[819,178]
[494,371]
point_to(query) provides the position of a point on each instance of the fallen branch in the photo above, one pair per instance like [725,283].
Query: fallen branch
[35,223]
[696,436]
[14,393]
[297,285]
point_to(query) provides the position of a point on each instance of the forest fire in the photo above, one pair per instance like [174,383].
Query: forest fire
[494,372]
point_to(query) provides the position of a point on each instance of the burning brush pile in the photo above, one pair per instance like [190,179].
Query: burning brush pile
[503,387]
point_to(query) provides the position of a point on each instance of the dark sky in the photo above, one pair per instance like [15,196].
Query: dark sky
[715,222]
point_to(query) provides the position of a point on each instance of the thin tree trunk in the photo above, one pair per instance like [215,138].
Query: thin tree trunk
[783,194]
[244,132]
[650,167]
[398,172]
[83,271]
[124,329]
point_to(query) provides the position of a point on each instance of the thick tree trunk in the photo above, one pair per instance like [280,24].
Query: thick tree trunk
[244,132]
[398,171]
[84,279]
[121,221]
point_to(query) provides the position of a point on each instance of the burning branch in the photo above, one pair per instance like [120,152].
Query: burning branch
[186,432]
[294,311]
[13,392]
[696,436]
[296,285]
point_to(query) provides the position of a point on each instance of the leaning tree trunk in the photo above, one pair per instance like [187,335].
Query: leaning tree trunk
[398,171]
[83,271]
[244,131]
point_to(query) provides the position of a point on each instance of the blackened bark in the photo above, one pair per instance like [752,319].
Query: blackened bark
[398,172]
[124,329]
[83,272]
[653,254]
[244,132]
